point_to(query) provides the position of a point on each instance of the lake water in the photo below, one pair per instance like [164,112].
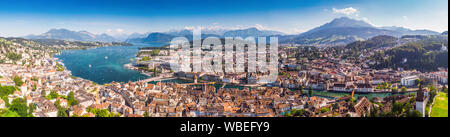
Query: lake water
[107,63]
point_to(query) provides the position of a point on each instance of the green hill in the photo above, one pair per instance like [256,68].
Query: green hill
[425,55]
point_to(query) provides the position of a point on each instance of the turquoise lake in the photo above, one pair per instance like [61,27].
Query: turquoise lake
[107,63]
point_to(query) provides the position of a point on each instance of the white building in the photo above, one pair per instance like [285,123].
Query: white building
[441,76]
[339,88]
[366,88]
[409,80]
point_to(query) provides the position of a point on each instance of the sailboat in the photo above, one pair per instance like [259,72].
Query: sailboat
[106,57]
[90,65]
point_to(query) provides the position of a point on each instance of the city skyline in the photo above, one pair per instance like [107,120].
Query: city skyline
[211,58]
[291,17]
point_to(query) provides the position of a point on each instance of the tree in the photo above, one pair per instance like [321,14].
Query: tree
[418,82]
[31,109]
[394,90]
[414,113]
[287,114]
[18,81]
[112,114]
[323,110]
[6,90]
[57,104]
[310,91]
[404,89]
[52,95]
[19,105]
[432,87]
[62,112]
[101,112]
[6,100]
[373,112]
[43,94]
[71,99]
[146,114]
[59,67]
[146,58]
[297,112]
[14,56]
[397,108]
[34,88]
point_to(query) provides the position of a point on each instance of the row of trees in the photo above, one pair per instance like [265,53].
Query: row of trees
[310,91]
[295,113]
[102,112]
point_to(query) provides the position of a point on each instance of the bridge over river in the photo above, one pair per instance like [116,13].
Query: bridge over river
[159,78]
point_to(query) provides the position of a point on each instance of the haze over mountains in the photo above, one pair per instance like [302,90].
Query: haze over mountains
[65,34]
[337,32]
[166,37]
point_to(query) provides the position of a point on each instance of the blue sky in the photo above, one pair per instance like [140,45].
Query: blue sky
[116,17]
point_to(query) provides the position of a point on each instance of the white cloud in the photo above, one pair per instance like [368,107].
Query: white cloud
[368,21]
[260,27]
[295,31]
[115,32]
[193,27]
[347,11]
[352,13]
[405,18]
[119,30]
[236,27]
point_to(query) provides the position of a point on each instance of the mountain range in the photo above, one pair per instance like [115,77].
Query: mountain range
[344,30]
[339,31]
[65,34]
[166,37]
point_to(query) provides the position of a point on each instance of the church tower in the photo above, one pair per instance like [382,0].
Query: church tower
[420,101]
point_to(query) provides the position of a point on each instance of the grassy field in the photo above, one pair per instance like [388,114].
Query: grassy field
[440,107]
[7,113]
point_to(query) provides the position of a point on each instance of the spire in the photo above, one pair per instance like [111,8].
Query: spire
[420,97]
